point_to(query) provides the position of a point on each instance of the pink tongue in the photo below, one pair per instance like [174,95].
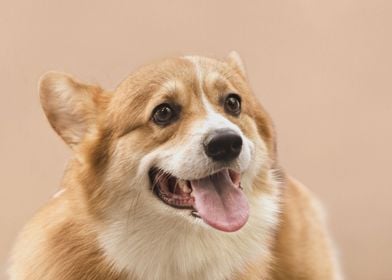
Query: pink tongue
[220,203]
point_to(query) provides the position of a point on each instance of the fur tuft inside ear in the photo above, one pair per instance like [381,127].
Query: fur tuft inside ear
[69,105]
[235,61]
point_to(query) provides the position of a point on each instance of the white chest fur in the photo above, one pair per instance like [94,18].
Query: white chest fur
[169,248]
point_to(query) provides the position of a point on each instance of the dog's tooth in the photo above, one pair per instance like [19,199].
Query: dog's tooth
[184,186]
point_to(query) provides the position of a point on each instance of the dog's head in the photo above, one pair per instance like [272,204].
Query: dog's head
[180,139]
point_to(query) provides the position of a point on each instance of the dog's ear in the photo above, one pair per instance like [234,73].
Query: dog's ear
[235,61]
[70,106]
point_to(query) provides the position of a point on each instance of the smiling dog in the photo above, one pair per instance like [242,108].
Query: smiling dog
[174,176]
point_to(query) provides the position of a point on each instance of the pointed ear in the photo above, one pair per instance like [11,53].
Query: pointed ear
[234,60]
[69,105]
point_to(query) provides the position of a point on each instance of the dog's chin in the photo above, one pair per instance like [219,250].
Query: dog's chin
[217,198]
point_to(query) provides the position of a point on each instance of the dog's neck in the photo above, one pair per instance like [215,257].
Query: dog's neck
[171,247]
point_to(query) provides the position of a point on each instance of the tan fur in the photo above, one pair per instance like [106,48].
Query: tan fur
[106,223]
[303,244]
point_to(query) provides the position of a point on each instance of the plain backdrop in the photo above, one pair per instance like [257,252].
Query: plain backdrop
[321,68]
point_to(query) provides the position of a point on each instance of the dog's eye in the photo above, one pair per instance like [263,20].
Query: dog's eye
[164,114]
[233,104]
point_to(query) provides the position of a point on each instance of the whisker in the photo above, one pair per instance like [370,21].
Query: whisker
[175,186]
[161,175]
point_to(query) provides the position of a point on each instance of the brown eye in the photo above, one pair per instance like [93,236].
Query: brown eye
[164,114]
[233,104]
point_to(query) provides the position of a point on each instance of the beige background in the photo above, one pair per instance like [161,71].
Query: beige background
[322,69]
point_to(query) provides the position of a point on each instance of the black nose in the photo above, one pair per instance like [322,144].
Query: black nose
[223,145]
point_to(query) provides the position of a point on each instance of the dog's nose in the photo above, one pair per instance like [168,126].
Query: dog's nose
[223,145]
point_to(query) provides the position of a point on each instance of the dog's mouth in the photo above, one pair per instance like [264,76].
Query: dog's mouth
[217,199]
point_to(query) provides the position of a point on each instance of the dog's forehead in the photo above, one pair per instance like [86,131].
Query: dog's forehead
[190,72]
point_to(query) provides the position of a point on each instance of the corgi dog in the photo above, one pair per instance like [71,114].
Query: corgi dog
[174,175]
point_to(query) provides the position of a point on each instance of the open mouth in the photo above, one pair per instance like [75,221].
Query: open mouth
[217,199]
[171,190]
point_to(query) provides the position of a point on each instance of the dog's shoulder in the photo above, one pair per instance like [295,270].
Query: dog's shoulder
[302,245]
[57,244]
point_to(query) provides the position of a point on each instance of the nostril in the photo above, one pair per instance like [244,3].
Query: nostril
[237,144]
[213,148]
